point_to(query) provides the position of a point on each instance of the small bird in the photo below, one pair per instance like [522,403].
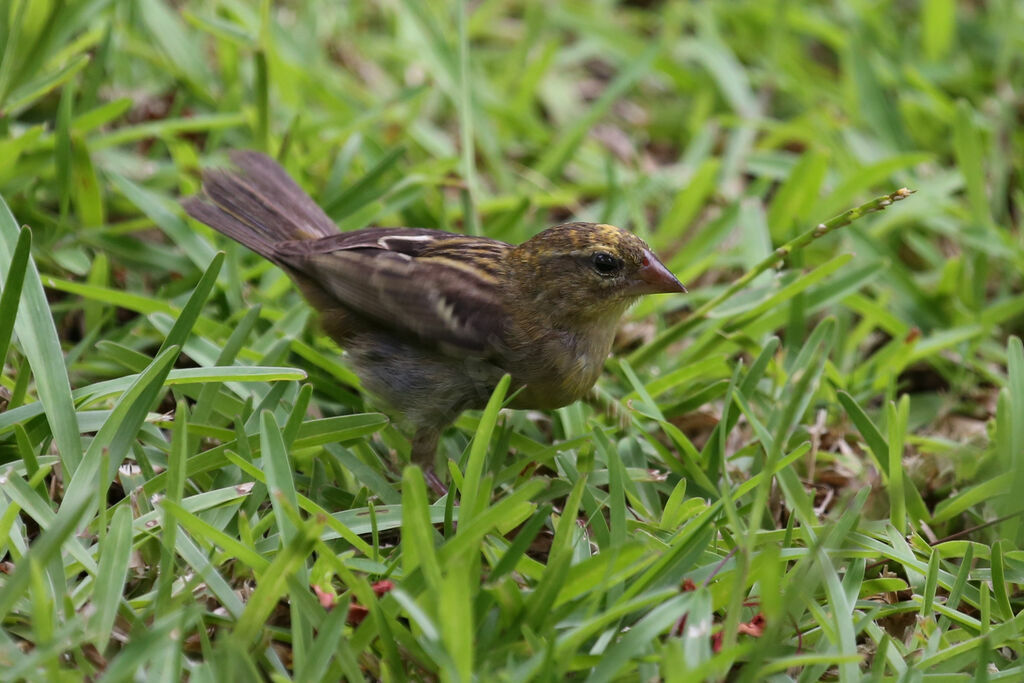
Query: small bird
[432,320]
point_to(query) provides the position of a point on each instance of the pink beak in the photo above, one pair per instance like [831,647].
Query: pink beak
[654,278]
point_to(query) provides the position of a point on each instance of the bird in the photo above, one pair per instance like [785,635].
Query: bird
[432,320]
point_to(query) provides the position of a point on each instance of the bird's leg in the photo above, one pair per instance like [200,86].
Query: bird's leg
[424,452]
[435,484]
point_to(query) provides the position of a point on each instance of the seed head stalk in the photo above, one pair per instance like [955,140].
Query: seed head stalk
[680,328]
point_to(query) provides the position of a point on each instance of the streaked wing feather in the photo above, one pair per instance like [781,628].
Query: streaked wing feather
[416,281]
[409,241]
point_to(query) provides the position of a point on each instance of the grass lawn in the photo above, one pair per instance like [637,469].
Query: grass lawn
[809,468]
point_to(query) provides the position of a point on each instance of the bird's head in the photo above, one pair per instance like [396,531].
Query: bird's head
[588,270]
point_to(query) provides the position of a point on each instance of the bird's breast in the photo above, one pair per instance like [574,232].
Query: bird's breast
[560,368]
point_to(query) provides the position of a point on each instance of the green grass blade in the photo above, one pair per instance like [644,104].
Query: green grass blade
[114,554]
[11,294]
[274,584]
[41,346]
[473,495]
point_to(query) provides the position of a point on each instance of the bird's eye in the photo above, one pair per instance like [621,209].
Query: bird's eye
[606,264]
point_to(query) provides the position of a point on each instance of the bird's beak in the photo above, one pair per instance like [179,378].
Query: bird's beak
[654,278]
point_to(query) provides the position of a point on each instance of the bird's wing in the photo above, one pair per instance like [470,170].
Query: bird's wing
[439,287]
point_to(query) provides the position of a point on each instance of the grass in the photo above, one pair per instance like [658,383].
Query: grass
[809,468]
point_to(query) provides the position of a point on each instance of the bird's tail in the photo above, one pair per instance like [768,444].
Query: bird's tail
[258,204]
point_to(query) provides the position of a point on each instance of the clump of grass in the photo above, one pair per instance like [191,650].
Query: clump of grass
[810,471]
